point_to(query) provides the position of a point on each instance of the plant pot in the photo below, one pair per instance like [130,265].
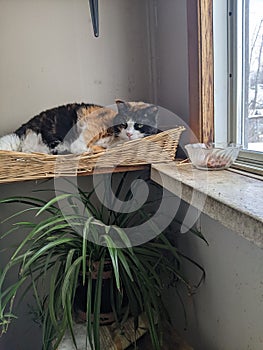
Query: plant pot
[80,303]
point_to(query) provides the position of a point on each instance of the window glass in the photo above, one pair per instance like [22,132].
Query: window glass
[250,126]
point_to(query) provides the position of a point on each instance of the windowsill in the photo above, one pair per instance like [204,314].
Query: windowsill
[232,199]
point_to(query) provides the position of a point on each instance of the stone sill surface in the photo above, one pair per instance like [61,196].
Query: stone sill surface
[235,200]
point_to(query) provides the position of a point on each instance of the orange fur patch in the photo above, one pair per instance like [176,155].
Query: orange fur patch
[97,124]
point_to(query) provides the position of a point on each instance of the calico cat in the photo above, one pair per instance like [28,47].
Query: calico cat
[80,127]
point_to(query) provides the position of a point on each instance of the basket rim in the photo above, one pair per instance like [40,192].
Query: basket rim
[157,148]
[127,144]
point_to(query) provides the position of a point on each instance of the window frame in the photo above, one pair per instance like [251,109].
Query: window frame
[201,69]
[248,160]
[201,81]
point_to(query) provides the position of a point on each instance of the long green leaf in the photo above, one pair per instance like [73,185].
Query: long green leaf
[84,248]
[72,270]
[51,203]
[114,259]
[97,305]
[52,294]
[124,263]
[44,250]
[89,312]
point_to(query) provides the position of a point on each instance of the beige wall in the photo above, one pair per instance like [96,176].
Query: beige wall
[172,57]
[49,55]
[226,313]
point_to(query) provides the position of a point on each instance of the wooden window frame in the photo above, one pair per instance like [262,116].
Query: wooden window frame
[201,68]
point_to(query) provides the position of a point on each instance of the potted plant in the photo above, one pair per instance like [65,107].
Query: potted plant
[69,252]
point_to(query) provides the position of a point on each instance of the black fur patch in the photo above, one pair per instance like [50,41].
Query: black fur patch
[55,124]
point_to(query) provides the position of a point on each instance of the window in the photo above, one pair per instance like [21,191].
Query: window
[245,85]
[225,69]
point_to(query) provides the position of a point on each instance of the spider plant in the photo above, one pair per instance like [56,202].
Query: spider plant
[59,251]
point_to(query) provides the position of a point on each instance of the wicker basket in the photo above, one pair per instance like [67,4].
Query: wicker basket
[18,166]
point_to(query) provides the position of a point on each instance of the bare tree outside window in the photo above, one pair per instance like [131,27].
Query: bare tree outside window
[253,75]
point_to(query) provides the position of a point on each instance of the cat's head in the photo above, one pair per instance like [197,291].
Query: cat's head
[135,120]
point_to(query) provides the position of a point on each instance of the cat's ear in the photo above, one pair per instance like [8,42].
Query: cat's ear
[122,106]
[152,110]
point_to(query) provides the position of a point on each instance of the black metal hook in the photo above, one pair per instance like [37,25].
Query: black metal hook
[94,11]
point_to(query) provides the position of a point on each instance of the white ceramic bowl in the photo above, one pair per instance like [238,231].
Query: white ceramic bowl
[212,156]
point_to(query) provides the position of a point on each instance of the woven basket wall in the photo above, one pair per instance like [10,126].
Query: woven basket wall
[18,166]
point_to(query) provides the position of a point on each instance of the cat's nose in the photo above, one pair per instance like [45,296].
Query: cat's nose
[129,134]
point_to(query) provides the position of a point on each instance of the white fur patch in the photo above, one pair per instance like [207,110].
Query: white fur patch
[62,147]
[10,142]
[33,143]
[130,133]
[79,146]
